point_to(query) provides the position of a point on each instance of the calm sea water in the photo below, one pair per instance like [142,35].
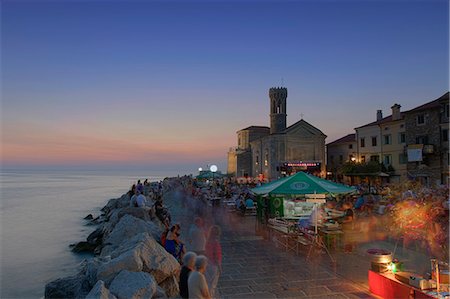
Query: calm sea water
[42,214]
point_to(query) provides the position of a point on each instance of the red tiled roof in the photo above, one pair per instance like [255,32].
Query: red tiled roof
[432,104]
[255,127]
[383,120]
[429,105]
[347,138]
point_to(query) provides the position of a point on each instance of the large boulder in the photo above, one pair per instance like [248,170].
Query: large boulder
[133,285]
[76,286]
[115,203]
[160,293]
[128,260]
[128,227]
[84,247]
[156,260]
[99,291]
[170,286]
[141,213]
[90,268]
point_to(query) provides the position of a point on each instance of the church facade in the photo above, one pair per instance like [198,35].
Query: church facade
[276,151]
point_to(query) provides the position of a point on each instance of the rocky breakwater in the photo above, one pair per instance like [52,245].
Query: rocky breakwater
[129,262]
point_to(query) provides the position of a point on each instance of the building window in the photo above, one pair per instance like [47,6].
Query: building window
[422,139]
[402,158]
[387,160]
[341,159]
[402,137]
[445,135]
[266,159]
[421,119]
[363,159]
[350,146]
[387,139]
[257,158]
[363,141]
[386,128]
[446,110]
[375,158]
[374,141]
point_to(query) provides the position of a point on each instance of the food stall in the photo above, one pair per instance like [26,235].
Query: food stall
[295,196]
[282,204]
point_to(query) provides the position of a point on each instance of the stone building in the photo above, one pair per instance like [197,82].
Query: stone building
[427,141]
[384,141]
[278,150]
[240,157]
[339,152]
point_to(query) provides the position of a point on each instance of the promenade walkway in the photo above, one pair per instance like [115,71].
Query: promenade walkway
[255,268]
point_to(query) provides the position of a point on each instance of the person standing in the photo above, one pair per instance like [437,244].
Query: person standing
[197,286]
[214,253]
[188,267]
[348,227]
[197,237]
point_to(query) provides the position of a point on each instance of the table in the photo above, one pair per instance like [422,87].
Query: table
[332,238]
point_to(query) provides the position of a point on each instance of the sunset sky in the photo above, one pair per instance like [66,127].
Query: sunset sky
[166,84]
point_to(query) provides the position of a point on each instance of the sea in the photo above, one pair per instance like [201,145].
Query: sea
[41,214]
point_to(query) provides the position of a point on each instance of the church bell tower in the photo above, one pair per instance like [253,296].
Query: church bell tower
[278,96]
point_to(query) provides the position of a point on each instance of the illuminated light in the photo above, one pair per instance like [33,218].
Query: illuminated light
[303,164]
[213,168]
[200,169]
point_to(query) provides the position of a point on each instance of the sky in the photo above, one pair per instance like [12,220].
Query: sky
[166,84]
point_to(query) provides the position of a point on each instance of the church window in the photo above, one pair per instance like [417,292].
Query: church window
[266,160]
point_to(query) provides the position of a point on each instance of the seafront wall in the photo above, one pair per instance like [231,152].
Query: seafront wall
[129,261]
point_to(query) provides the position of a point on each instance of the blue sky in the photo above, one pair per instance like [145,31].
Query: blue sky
[169,83]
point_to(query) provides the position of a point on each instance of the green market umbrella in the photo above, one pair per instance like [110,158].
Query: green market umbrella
[209,175]
[302,183]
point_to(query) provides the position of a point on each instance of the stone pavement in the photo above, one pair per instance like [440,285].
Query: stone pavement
[255,268]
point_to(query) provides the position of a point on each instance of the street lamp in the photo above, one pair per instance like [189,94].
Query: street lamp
[213,169]
[200,169]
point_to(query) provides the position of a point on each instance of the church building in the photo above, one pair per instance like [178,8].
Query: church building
[276,151]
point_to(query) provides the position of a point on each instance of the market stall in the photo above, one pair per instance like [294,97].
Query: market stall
[284,203]
[295,196]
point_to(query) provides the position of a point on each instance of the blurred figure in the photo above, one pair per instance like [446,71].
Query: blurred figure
[197,286]
[348,227]
[188,267]
[197,236]
[214,254]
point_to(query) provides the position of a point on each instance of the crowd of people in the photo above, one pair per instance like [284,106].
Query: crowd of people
[407,212]
[200,251]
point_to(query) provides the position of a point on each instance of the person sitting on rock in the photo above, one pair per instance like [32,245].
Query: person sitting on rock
[188,267]
[137,200]
[173,243]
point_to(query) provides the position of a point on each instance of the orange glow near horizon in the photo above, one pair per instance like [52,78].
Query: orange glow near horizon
[38,145]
